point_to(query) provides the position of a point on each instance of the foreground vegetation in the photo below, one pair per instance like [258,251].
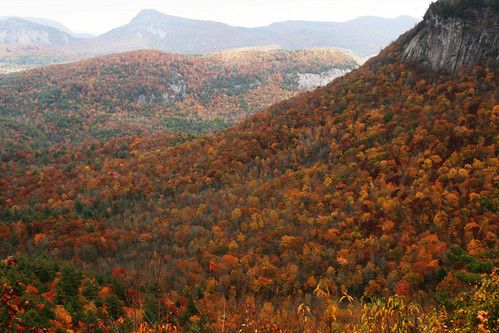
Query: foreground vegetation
[42,295]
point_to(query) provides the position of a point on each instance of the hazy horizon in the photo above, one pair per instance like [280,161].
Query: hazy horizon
[98,17]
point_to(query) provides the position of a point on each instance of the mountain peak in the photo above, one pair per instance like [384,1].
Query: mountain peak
[455,34]
[147,12]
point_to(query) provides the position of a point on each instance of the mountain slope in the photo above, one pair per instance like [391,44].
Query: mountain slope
[15,31]
[153,30]
[365,36]
[383,182]
[150,29]
[25,44]
[371,185]
[146,92]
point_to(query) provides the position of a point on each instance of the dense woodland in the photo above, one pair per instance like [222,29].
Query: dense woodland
[368,205]
[149,92]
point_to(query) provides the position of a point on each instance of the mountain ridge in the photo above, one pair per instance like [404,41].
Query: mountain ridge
[153,92]
[211,36]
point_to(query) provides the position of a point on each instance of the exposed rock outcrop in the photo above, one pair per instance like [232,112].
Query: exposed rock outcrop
[175,90]
[310,81]
[449,41]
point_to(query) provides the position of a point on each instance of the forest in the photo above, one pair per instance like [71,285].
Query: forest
[149,92]
[14,58]
[367,205]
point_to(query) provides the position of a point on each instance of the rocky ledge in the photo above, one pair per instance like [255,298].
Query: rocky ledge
[451,42]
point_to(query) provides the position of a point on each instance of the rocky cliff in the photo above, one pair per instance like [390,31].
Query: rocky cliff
[452,36]
[310,81]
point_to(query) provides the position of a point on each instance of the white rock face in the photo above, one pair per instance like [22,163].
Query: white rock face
[309,81]
[157,32]
[176,90]
[143,99]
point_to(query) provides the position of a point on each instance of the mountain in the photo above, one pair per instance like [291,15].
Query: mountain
[150,29]
[15,31]
[146,92]
[32,42]
[153,30]
[50,23]
[369,203]
[365,36]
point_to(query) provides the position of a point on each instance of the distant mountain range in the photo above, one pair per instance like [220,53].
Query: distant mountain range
[151,29]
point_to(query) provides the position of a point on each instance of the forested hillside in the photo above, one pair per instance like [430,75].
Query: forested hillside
[380,183]
[370,203]
[14,58]
[148,92]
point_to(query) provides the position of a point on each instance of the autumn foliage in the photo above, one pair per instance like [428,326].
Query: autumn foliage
[365,204]
[149,92]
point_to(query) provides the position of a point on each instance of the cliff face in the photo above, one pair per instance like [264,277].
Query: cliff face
[310,81]
[443,42]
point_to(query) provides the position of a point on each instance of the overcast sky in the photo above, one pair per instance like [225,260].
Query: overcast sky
[99,16]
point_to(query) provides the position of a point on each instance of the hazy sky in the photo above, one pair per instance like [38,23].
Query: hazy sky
[99,16]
